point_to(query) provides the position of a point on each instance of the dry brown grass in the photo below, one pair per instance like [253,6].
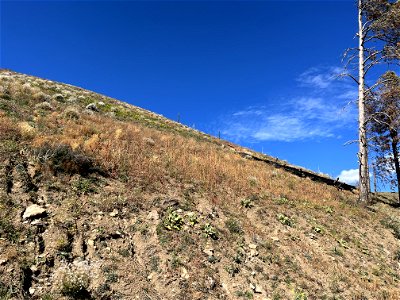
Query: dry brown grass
[152,158]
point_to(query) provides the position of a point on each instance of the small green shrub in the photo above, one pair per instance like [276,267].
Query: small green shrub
[175,261]
[285,220]
[328,210]
[84,186]
[75,285]
[232,270]
[397,255]
[299,294]
[173,221]
[245,294]
[318,229]
[192,219]
[63,245]
[5,292]
[233,226]
[210,231]
[282,200]
[239,257]
[247,203]
[46,297]
[393,224]
[7,229]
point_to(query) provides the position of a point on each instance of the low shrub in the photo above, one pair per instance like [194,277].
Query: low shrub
[63,159]
[75,285]
[234,226]
[393,224]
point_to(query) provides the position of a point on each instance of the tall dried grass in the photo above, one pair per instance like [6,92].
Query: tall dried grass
[124,149]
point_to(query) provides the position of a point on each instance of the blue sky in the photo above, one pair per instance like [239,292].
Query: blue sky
[262,73]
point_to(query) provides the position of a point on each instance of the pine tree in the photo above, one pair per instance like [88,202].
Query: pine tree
[384,128]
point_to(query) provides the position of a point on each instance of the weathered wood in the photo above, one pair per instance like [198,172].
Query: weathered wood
[298,171]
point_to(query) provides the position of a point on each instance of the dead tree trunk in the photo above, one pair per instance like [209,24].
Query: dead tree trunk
[363,147]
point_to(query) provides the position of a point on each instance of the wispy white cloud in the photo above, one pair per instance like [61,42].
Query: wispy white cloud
[319,113]
[298,119]
[349,176]
[319,77]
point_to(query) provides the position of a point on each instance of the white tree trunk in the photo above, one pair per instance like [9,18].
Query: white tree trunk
[363,147]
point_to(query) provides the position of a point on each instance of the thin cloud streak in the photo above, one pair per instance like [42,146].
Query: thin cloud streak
[319,77]
[321,113]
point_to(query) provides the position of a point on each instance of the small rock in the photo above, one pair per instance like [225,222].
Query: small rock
[3,261]
[114,213]
[33,211]
[92,107]
[31,290]
[209,251]
[253,253]
[184,273]
[37,222]
[149,141]
[252,246]
[34,268]
[153,215]
[101,103]
[312,236]
[275,239]
[90,242]
[256,288]
[150,277]
[210,283]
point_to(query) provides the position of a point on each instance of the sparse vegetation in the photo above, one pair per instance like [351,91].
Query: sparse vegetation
[210,231]
[393,224]
[149,207]
[285,220]
[173,220]
[75,285]
[234,226]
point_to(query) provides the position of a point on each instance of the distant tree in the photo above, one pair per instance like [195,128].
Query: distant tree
[385,18]
[376,26]
[383,109]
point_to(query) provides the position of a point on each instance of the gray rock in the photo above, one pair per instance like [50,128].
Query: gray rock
[33,211]
[58,97]
[210,283]
[92,107]
[114,213]
[149,141]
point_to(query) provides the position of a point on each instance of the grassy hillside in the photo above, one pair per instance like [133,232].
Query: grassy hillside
[103,200]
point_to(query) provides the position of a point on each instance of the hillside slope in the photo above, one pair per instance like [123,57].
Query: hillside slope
[103,200]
